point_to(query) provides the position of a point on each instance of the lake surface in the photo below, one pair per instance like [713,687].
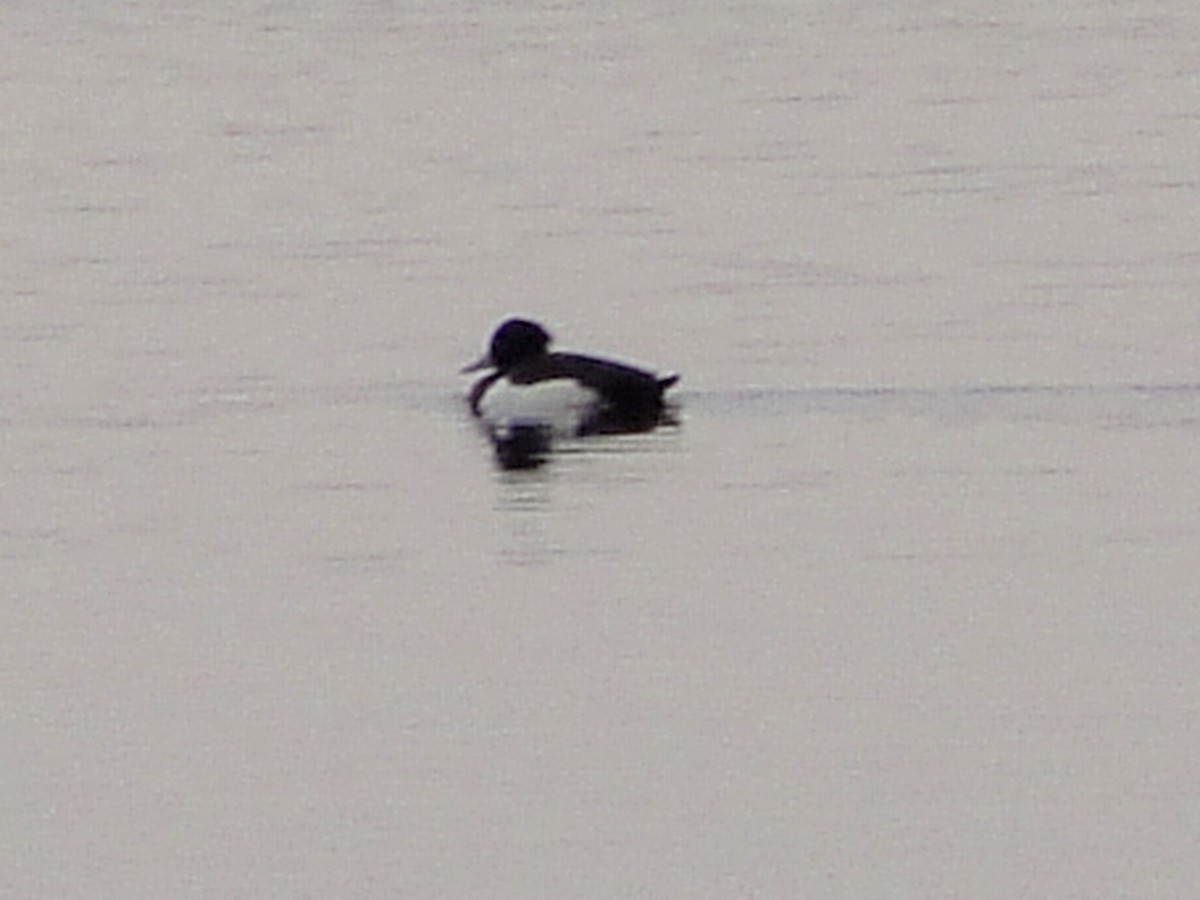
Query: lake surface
[905,606]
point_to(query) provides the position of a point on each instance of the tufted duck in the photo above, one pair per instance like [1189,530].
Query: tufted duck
[560,393]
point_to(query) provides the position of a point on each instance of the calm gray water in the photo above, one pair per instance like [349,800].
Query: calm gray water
[905,607]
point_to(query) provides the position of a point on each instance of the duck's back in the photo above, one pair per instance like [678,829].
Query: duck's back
[593,395]
[626,398]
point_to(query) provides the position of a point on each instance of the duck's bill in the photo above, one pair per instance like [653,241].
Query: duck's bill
[477,366]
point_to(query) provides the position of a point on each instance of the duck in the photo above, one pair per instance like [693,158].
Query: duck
[536,394]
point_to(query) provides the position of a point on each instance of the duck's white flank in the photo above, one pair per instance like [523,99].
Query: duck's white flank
[561,404]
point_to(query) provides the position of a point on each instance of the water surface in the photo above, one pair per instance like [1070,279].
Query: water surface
[905,604]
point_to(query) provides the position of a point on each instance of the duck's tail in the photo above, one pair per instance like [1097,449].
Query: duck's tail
[666,382]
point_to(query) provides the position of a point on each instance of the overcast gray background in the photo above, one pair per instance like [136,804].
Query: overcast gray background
[905,607]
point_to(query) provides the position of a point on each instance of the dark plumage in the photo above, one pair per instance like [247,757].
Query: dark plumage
[619,398]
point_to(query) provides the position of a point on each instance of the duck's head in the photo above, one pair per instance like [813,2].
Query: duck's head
[513,342]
